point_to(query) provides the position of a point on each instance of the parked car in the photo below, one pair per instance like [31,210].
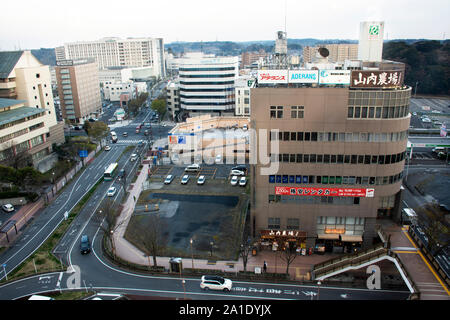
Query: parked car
[215,283]
[107,148]
[243,181]
[237,173]
[111,192]
[192,167]
[219,158]
[85,244]
[240,168]
[185,179]
[201,180]
[234,180]
[169,179]
[8,207]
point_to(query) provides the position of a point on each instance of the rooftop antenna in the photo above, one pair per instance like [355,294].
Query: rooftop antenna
[285,14]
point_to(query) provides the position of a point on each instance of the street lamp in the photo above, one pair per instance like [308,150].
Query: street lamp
[192,253]
[318,288]
[211,244]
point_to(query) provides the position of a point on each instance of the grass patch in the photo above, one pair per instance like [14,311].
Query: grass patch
[70,295]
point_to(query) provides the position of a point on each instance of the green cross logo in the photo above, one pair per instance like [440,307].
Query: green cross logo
[374,30]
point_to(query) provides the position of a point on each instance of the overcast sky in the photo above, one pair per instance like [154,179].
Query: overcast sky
[30,24]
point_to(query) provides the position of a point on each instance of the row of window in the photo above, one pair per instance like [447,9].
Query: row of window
[207,90]
[207,69]
[338,180]
[377,112]
[347,223]
[229,75]
[339,136]
[13,123]
[338,158]
[203,97]
[345,201]
[207,83]
[208,103]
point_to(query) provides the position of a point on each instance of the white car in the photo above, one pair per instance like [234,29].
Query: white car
[192,167]
[237,173]
[185,179]
[8,207]
[219,158]
[234,180]
[111,192]
[243,181]
[216,283]
[107,148]
[201,180]
[169,179]
[133,157]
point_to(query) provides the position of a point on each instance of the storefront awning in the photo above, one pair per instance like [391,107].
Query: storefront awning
[328,236]
[351,238]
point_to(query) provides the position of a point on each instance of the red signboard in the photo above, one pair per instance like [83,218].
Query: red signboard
[331,192]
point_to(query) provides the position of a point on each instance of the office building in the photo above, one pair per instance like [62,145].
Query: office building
[338,167]
[337,52]
[173,100]
[207,85]
[78,89]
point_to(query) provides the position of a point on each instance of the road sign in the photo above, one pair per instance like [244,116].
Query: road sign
[83,153]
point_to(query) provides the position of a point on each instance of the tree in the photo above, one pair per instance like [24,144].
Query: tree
[151,236]
[98,130]
[107,219]
[159,106]
[288,255]
[16,157]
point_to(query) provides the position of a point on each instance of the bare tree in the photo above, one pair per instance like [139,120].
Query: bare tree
[152,236]
[246,248]
[15,157]
[288,255]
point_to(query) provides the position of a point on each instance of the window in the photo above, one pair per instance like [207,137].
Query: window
[293,136]
[307,136]
[286,136]
[299,158]
[276,112]
[350,112]
[297,112]
[273,223]
[293,224]
[299,136]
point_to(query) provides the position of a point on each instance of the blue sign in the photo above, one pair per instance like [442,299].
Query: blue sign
[272,179]
[83,153]
[278,177]
[285,179]
[181,140]
[298,179]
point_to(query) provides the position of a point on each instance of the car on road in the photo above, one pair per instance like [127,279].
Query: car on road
[107,148]
[8,207]
[185,179]
[201,180]
[234,180]
[125,134]
[243,181]
[133,157]
[237,173]
[111,192]
[146,133]
[169,179]
[140,142]
[216,283]
[192,168]
[85,244]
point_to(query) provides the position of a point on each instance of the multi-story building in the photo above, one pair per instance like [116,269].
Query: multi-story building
[207,85]
[339,162]
[116,52]
[173,99]
[247,58]
[337,52]
[78,89]
[113,91]
[28,123]
[242,91]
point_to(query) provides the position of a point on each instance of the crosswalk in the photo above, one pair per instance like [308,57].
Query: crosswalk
[134,141]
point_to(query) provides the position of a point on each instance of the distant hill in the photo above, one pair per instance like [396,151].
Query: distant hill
[45,55]
[427,63]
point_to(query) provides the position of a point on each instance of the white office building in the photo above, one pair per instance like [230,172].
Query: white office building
[370,46]
[207,84]
[116,52]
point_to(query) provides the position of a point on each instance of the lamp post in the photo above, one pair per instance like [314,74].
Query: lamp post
[318,288]
[192,253]
[211,244]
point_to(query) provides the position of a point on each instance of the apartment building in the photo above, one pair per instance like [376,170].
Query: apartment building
[78,89]
[207,85]
[247,58]
[337,52]
[173,99]
[27,112]
[336,143]
[242,91]
[116,52]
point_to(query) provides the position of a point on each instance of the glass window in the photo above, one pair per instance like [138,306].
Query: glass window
[372,112]
[300,136]
[350,112]
[307,136]
[357,112]
[319,158]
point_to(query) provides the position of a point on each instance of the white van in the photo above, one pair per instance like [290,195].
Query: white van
[192,167]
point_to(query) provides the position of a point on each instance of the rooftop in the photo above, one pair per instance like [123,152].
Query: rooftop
[5,103]
[8,60]
[18,113]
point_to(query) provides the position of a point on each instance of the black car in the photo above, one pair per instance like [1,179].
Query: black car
[85,245]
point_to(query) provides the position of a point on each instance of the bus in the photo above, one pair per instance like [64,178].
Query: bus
[110,171]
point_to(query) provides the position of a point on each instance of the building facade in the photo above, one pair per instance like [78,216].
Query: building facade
[173,99]
[207,85]
[78,89]
[339,162]
[337,52]
[116,52]
[242,91]
[247,58]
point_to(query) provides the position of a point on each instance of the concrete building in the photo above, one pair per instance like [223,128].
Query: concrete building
[370,46]
[207,85]
[247,58]
[173,99]
[28,118]
[336,142]
[337,52]
[242,91]
[78,89]
[113,91]
[116,52]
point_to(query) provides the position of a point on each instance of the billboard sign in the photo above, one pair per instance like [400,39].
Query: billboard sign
[334,77]
[374,31]
[376,79]
[323,192]
[272,76]
[303,76]
[443,132]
